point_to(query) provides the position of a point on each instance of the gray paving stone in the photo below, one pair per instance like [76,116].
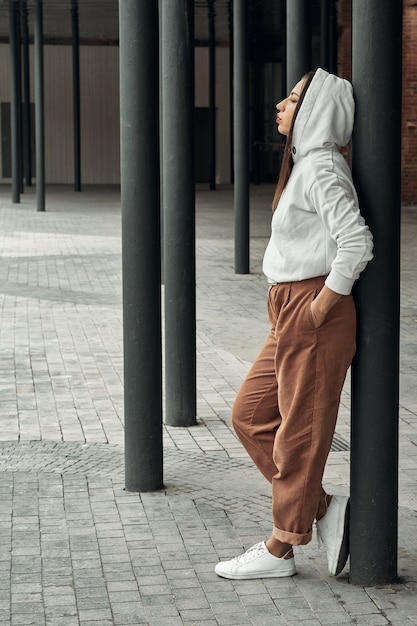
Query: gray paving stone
[371,620]
[169,621]
[268,620]
[126,618]
[27,620]
[94,614]
[332,617]
[307,622]
[99,622]
[78,550]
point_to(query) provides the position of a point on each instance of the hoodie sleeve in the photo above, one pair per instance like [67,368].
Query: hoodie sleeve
[335,200]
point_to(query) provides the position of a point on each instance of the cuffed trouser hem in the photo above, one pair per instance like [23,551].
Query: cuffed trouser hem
[294,539]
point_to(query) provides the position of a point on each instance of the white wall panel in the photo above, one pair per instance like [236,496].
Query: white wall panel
[222,104]
[99,78]
[59,166]
[100,124]
[4,85]
[100,117]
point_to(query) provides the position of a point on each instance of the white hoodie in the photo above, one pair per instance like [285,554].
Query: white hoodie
[317,229]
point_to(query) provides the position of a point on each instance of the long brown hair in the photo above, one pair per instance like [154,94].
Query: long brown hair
[287,162]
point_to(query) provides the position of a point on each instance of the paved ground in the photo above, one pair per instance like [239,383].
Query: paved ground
[76,549]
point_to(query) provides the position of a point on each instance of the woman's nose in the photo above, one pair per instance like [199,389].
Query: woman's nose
[279,106]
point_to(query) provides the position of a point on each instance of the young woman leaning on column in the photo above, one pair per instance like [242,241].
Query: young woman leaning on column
[285,412]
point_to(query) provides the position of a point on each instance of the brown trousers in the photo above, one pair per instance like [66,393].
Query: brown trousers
[286,410]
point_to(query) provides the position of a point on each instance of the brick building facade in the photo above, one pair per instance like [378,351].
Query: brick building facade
[409,119]
[409,132]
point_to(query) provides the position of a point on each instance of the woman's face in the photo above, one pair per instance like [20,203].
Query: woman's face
[286,109]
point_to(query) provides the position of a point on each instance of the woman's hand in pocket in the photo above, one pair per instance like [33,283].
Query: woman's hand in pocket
[322,304]
[317,315]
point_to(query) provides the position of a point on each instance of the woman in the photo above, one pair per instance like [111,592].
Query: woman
[286,410]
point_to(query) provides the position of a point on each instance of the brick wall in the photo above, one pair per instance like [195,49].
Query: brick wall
[344,52]
[409,124]
[409,131]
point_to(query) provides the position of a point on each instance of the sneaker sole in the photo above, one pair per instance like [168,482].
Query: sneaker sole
[344,546]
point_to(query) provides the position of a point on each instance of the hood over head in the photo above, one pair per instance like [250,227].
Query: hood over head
[326,115]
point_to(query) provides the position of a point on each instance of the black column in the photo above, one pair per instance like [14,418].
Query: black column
[298,41]
[39,108]
[179,210]
[76,94]
[241,134]
[231,81]
[27,116]
[333,42]
[212,92]
[324,34]
[20,95]
[15,104]
[139,126]
[376,56]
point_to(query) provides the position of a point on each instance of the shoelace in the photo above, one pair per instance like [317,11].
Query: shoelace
[253,552]
[250,554]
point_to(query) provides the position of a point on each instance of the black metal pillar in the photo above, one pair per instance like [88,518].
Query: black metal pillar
[161,144]
[333,42]
[324,34]
[328,36]
[15,104]
[231,81]
[241,135]
[139,134]
[76,94]
[27,116]
[376,65]
[257,96]
[39,108]
[20,96]
[179,210]
[212,92]
[298,41]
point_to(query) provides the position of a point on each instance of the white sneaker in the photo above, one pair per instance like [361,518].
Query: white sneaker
[257,562]
[333,533]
